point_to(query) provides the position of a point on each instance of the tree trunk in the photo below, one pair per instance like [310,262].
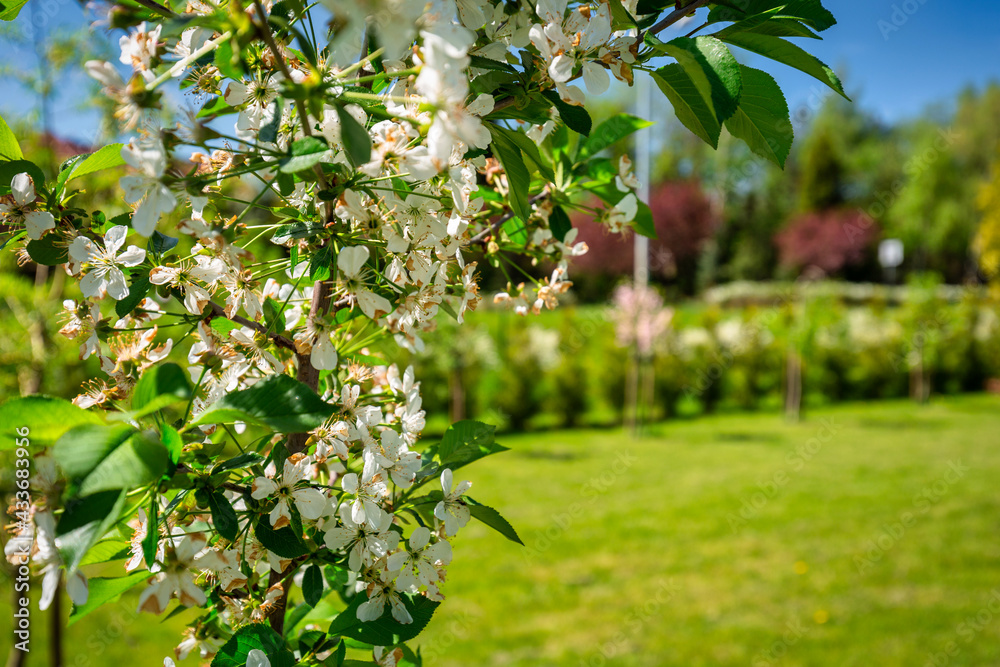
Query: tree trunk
[793,386]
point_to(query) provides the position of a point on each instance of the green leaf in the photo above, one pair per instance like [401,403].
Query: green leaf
[789,54]
[810,12]
[749,22]
[492,518]
[45,417]
[386,631]
[160,386]
[82,511]
[228,61]
[222,326]
[137,291]
[278,401]
[102,590]
[304,154]
[762,120]
[779,27]
[274,318]
[620,18]
[106,551]
[559,223]
[137,462]
[10,169]
[74,544]
[312,585]
[530,150]
[298,229]
[776,27]
[643,222]
[690,107]
[80,449]
[482,62]
[320,263]
[711,66]
[173,442]
[9,148]
[223,515]
[49,250]
[610,132]
[516,230]
[357,143]
[576,118]
[258,636]
[517,174]
[244,460]
[463,443]
[269,132]
[215,106]
[160,243]
[283,542]
[652,6]
[105,158]
[152,539]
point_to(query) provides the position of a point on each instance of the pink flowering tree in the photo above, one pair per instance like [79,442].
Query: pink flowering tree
[251,448]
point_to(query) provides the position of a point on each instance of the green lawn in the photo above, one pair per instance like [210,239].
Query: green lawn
[869,535]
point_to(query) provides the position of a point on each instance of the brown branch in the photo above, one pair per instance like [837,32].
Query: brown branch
[297,441]
[675,16]
[265,34]
[278,339]
[483,237]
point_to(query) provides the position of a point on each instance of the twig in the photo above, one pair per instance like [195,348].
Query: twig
[675,16]
[265,34]
[279,339]
[483,237]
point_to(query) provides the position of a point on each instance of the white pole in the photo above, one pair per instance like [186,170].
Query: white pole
[636,400]
[643,155]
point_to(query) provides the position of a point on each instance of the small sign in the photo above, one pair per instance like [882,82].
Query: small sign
[890,253]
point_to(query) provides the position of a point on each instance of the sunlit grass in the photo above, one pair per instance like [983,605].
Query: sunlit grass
[637,552]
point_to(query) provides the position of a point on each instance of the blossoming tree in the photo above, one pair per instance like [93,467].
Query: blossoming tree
[252,450]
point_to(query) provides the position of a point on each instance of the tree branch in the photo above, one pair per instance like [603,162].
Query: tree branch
[484,236]
[279,339]
[674,16]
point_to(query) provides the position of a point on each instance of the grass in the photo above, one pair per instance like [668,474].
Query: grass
[859,543]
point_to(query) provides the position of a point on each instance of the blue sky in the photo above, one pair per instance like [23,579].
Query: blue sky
[896,57]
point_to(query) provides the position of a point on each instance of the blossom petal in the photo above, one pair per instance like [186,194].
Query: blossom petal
[114,239]
[596,78]
[310,502]
[38,222]
[351,259]
[133,256]
[116,285]
[23,189]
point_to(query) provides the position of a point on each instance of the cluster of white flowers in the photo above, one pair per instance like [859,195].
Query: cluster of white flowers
[382,185]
